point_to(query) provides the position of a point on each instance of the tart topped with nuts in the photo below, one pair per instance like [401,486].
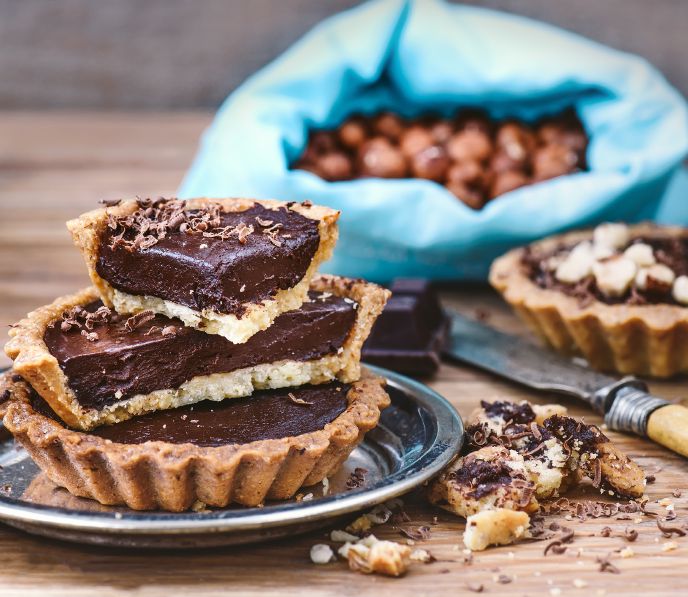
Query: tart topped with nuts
[618,295]
[226,266]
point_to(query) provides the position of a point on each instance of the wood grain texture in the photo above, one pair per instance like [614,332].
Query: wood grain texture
[52,167]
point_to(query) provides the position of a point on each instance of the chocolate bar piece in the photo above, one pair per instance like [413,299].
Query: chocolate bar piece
[411,332]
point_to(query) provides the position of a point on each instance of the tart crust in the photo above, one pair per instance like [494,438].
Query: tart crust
[630,339]
[34,362]
[86,231]
[174,477]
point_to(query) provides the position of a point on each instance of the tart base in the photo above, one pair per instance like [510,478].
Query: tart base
[86,232]
[174,477]
[649,340]
[34,362]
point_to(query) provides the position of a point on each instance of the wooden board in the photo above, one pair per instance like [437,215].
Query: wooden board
[52,167]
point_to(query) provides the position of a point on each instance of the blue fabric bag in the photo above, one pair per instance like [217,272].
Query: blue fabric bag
[414,57]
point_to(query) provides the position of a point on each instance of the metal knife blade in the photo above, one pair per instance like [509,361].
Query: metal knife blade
[625,403]
[517,359]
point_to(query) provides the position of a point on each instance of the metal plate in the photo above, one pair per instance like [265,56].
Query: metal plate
[417,436]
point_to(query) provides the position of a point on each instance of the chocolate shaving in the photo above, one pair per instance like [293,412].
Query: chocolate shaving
[650,479]
[90,336]
[676,493]
[110,202]
[597,479]
[504,579]
[421,533]
[169,330]
[296,400]
[138,320]
[606,532]
[669,531]
[606,565]
[155,219]
[536,431]
[555,547]
[357,478]
[475,587]
[78,317]
[630,534]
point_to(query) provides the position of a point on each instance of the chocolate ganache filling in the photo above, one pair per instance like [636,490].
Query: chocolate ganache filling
[672,252]
[267,414]
[207,259]
[122,357]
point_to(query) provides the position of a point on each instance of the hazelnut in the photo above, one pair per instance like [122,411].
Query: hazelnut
[323,141]
[553,160]
[469,144]
[507,181]
[468,172]
[431,163]
[441,131]
[415,139]
[379,158]
[563,133]
[388,125]
[468,195]
[473,120]
[353,132]
[516,142]
[335,165]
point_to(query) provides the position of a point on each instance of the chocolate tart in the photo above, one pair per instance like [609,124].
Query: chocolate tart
[234,452]
[642,332]
[226,266]
[93,367]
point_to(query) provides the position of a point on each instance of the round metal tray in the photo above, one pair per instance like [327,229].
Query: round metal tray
[417,436]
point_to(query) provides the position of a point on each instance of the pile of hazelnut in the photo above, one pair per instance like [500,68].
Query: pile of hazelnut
[474,157]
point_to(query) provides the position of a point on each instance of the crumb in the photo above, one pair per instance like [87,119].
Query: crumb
[669,546]
[321,554]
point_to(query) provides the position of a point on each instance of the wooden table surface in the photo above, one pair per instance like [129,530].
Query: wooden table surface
[54,166]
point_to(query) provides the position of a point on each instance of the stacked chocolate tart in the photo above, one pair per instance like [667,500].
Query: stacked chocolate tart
[209,363]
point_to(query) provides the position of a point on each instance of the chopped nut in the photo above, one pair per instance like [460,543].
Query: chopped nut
[494,527]
[669,546]
[680,290]
[579,583]
[614,236]
[339,536]
[321,554]
[614,276]
[421,555]
[626,552]
[360,525]
[369,555]
[641,254]
[577,265]
[656,276]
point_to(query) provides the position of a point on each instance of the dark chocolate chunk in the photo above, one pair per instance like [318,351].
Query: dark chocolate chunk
[411,332]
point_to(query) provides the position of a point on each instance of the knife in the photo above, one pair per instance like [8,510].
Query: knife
[626,404]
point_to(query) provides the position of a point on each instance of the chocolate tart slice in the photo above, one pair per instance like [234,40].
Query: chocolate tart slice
[93,366]
[238,451]
[618,295]
[225,266]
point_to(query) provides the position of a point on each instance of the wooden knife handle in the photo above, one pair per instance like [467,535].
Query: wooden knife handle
[668,426]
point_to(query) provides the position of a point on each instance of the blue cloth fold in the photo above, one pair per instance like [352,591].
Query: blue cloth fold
[425,55]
